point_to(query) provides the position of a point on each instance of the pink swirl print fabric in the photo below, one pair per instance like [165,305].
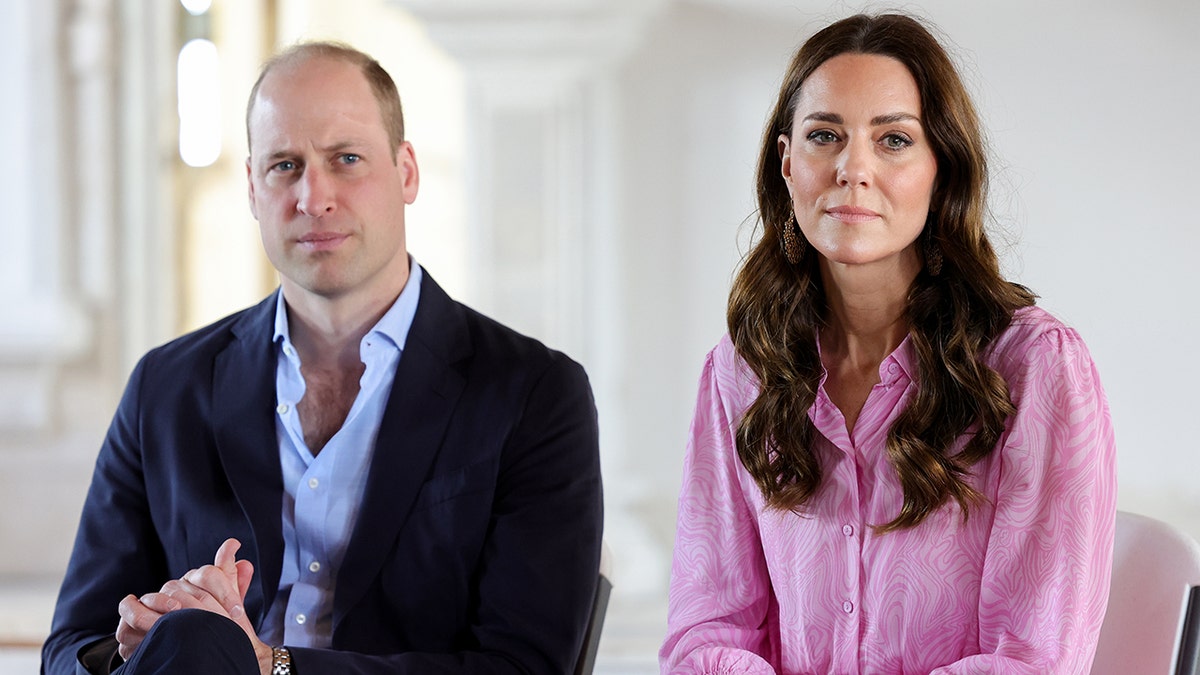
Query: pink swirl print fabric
[1020,587]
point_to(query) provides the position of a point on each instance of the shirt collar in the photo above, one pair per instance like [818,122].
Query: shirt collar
[903,356]
[394,324]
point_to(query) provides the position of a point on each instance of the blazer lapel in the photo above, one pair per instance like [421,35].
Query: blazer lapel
[419,408]
[244,430]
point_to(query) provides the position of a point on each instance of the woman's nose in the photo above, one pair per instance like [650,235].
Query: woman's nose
[855,164]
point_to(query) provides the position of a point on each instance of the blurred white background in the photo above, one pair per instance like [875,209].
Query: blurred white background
[587,178]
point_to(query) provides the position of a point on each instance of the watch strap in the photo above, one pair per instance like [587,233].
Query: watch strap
[281,661]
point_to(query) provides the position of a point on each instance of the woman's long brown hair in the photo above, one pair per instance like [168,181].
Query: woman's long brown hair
[776,308]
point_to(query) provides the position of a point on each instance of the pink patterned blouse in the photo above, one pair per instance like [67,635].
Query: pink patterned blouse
[1020,587]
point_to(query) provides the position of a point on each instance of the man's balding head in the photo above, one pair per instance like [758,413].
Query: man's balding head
[382,85]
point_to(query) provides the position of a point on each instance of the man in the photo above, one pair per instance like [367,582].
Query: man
[413,488]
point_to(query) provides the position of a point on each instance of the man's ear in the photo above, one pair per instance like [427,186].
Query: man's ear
[250,189]
[406,163]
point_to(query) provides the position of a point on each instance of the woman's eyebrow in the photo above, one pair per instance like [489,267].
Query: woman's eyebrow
[892,118]
[831,118]
[879,120]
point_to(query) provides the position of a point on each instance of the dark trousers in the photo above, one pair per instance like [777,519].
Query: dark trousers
[193,641]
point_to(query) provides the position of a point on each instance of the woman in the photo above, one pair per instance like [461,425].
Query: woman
[898,464]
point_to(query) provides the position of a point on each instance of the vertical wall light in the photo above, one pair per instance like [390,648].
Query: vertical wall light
[199,90]
[196,7]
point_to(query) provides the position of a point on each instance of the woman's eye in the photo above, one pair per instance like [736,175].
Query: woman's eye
[896,141]
[822,136]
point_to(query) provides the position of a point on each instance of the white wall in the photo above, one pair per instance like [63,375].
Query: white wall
[1091,111]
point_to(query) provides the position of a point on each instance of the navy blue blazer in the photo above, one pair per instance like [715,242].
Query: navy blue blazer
[477,545]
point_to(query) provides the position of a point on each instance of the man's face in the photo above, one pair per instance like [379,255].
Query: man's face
[326,187]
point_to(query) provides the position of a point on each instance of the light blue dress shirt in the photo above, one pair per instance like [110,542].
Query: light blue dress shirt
[322,494]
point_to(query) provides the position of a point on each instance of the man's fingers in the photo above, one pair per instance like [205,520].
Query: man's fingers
[214,581]
[129,636]
[136,621]
[220,587]
[136,614]
[159,602]
[126,649]
[127,607]
[245,574]
[191,596]
[227,556]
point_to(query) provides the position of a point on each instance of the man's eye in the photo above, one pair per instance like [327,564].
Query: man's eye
[285,165]
[350,158]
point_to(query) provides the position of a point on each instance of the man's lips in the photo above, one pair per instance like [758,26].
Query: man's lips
[321,241]
[851,214]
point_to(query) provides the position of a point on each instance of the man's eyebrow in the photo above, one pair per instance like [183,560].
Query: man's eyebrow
[340,146]
[336,147]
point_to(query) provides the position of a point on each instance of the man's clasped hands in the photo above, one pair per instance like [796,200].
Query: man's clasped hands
[219,587]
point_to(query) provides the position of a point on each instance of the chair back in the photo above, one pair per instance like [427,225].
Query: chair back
[591,638]
[1152,626]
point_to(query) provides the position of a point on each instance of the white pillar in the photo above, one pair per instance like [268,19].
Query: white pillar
[43,322]
[542,167]
[86,258]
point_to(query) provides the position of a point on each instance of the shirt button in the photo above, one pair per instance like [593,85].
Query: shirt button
[314,567]
[282,408]
[300,618]
[848,530]
[313,483]
[287,349]
[847,607]
[892,368]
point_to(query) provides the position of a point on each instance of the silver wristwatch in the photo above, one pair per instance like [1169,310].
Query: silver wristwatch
[281,661]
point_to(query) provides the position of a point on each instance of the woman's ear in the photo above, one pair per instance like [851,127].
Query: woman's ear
[785,159]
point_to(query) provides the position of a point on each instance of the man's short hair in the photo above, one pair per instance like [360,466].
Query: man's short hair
[382,85]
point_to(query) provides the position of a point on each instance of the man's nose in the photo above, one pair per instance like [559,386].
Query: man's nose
[316,196]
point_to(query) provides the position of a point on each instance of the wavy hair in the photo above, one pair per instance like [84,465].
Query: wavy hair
[776,308]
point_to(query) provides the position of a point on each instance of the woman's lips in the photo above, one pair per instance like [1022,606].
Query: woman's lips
[851,214]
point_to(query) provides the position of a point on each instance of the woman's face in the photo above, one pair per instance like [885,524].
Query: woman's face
[858,165]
